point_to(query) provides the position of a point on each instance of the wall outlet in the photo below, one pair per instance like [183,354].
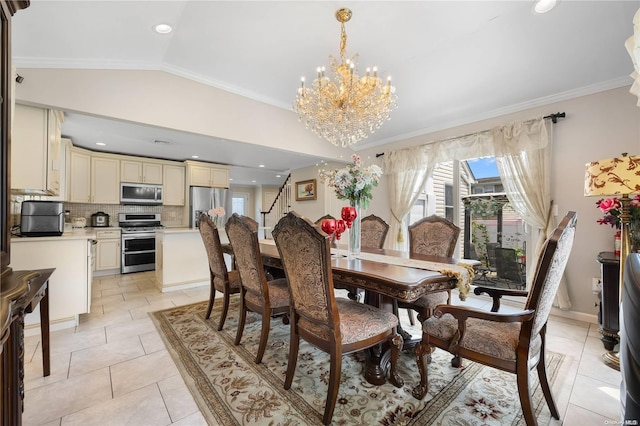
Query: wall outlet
[596,285]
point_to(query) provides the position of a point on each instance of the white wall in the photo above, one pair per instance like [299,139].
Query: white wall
[597,126]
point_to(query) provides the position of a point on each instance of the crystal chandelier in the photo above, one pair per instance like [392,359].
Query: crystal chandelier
[349,107]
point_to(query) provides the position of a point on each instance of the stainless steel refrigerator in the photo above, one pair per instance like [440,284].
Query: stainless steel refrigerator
[203,199]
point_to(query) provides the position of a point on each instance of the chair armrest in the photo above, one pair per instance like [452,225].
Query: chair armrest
[497,293]
[462,313]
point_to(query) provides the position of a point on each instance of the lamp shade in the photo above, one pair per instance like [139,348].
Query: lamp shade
[613,176]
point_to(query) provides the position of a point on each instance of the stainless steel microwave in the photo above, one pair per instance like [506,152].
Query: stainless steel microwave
[140,193]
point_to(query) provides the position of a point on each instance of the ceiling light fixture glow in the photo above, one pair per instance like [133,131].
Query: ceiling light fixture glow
[195,156]
[101,143]
[163,28]
[261,165]
[543,6]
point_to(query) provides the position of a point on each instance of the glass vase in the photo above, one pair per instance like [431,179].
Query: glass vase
[354,232]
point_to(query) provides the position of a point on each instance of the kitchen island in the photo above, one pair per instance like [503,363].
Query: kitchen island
[181,259]
[71,254]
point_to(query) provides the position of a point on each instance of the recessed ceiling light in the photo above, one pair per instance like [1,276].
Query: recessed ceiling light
[253,181]
[163,28]
[278,176]
[543,6]
[101,143]
[194,156]
[261,165]
[230,178]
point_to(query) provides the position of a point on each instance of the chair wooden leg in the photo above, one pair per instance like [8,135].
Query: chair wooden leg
[334,384]
[212,296]
[524,392]
[546,389]
[225,310]
[241,320]
[412,319]
[264,336]
[396,348]
[421,357]
[294,343]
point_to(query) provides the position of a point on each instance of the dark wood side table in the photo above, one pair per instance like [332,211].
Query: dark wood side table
[609,314]
[12,357]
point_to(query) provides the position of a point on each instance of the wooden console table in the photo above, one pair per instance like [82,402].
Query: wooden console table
[12,354]
[609,313]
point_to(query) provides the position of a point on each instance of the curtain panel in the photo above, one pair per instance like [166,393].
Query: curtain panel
[523,156]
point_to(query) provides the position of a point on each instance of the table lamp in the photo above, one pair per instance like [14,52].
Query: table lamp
[619,176]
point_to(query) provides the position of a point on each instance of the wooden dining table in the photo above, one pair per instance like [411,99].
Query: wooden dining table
[382,283]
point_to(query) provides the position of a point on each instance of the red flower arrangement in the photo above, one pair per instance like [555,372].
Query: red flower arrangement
[612,208]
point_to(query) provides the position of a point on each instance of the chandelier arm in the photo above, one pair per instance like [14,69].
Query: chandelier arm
[343,41]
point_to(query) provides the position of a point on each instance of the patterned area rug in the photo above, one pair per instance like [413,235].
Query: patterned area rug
[231,389]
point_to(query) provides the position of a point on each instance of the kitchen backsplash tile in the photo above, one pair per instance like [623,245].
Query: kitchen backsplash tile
[170,215]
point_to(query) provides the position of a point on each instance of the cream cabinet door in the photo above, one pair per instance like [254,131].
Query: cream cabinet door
[105,180]
[152,173]
[79,177]
[131,171]
[219,177]
[173,186]
[199,176]
[29,148]
[108,254]
[140,172]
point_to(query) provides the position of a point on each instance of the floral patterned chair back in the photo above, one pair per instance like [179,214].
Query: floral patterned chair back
[242,233]
[211,240]
[373,232]
[434,236]
[227,282]
[305,254]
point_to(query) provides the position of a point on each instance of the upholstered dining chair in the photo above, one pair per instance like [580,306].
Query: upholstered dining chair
[512,342]
[335,325]
[373,232]
[226,282]
[433,236]
[267,298]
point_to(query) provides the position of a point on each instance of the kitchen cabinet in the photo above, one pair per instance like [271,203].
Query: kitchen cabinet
[173,186]
[105,180]
[140,172]
[202,174]
[70,284]
[36,151]
[108,250]
[79,176]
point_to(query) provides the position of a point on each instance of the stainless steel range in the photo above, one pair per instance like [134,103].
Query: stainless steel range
[138,241]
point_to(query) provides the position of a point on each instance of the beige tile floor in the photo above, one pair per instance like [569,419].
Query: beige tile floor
[113,369]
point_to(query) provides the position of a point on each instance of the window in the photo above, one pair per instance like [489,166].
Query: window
[448,202]
[418,211]
[240,202]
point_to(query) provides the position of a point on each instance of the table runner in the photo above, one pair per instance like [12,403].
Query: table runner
[462,271]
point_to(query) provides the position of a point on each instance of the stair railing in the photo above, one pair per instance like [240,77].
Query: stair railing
[279,208]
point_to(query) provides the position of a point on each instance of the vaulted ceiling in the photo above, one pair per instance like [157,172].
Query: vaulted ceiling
[452,62]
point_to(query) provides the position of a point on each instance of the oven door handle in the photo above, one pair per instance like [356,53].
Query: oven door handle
[128,237]
[138,251]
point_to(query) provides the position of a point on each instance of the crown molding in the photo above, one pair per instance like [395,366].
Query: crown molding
[534,103]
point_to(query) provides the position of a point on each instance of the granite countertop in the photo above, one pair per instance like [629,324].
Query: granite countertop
[75,234]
